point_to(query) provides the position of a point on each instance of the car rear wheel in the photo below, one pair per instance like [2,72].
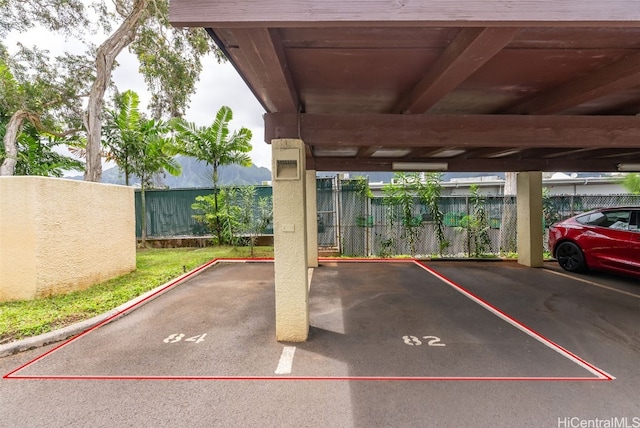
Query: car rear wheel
[570,257]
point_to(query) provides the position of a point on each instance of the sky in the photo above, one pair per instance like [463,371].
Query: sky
[219,85]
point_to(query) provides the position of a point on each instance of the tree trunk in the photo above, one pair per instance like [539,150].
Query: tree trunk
[105,59]
[217,226]
[14,126]
[143,210]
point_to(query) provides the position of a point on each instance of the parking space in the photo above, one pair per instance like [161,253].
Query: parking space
[385,339]
[219,323]
[373,320]
[595,315]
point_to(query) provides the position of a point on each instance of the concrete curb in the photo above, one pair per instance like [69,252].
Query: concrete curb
[112,315]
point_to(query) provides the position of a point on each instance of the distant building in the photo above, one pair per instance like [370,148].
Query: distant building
[557,184]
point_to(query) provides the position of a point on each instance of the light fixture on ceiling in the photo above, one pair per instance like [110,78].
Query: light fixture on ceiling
[630,167]
[419,166]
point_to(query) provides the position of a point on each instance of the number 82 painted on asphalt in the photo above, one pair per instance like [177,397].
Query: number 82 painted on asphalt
[414,341]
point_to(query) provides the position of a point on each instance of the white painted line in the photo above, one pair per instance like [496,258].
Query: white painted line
[560,350]
[595,284]
[286,360]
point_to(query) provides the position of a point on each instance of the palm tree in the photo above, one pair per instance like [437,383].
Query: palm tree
[216,146]
[121,132]
[141,147]
[154,154]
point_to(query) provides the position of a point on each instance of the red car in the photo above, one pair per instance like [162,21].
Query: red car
[605,239]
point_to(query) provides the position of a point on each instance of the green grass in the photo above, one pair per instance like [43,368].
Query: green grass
[155,267]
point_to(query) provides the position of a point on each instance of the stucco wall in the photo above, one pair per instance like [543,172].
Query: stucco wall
[60,235]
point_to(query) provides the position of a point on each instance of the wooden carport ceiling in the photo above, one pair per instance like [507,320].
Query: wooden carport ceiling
[477,85]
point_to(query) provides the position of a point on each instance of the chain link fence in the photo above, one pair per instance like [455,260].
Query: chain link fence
[389,232]
[354,217]
[358,225]
[369,227]
[327,203]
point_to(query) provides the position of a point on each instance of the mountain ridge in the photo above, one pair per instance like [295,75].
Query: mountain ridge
[195,173]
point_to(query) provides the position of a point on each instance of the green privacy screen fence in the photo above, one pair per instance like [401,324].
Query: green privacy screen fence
[169,212]
[357,225]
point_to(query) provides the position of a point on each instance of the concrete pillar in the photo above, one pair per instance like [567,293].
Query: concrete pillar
[312,220]
[529,202]
[290,240]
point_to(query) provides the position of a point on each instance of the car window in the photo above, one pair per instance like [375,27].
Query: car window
[593,219]
[618,219]
[634,224]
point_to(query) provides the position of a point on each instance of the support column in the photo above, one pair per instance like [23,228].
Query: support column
[529,203]
[312,220]
[290,240]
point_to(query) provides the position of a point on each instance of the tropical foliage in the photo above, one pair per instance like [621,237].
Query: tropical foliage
[216,146]
[429,194]
[255,213]
[37,156]
[170,58]
[121,132]
[153,155]
[400,197]
[218,215]
[632,183]
[240,215]
[42,92]
[476,225]
[170,62]
[141,147]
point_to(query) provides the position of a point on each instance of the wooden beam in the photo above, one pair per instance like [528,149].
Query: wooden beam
[258,52]
[615,77]
[466,53]
[300,13]
[628,155]
[311,161]
[461,131]
[492,152]
[474,165]
[565,153]
[367,151]
[425,152]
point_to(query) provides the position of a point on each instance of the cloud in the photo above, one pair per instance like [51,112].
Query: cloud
[220,85]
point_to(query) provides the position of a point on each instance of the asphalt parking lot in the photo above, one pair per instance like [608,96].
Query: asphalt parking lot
[391,344]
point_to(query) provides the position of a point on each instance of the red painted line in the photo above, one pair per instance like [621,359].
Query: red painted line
[315,378]
[366,260]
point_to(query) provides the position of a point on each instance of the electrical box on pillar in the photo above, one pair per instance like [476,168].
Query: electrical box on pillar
[287,164]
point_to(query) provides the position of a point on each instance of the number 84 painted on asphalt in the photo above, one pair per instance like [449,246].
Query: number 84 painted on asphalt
[414,341]
[177,337]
